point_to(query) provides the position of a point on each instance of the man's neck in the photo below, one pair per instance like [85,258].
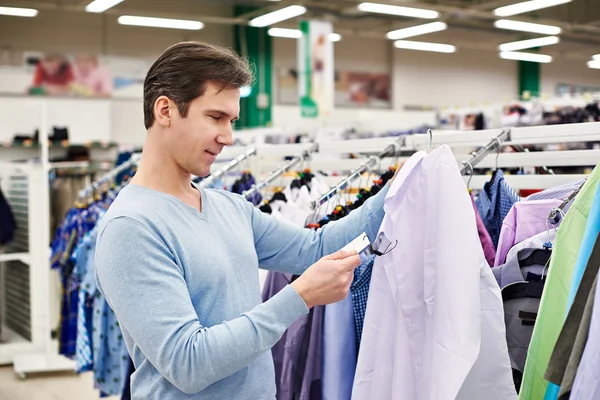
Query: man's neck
[158,171]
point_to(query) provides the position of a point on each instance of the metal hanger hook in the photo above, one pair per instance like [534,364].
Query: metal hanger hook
[497,150]
[471,171]
[430,139]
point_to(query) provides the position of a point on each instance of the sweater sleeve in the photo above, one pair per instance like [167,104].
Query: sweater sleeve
[284,247]
[137,273]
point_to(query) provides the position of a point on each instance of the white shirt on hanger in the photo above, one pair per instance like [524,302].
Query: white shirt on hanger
[434,326]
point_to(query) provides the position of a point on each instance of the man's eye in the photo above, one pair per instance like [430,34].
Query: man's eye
[216,117]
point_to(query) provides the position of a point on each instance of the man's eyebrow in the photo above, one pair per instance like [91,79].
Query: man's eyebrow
[223,114]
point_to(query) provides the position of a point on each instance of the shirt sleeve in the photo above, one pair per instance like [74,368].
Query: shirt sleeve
[284,247]
[137,273]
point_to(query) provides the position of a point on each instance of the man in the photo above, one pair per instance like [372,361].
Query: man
[179,264]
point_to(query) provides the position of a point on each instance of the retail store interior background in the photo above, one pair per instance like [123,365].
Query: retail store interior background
[509,86]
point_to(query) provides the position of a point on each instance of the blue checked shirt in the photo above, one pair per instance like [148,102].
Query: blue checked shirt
[494,202]
[360,293]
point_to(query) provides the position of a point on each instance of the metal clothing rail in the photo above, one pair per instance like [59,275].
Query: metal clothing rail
[111,175]
[494,144]
[231,165]
[279,171]
[390,151]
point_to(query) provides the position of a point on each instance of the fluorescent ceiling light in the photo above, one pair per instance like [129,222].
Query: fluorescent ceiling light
[528,44]
[161,22]
[596,57]
[277,16]
[594,64]
[527,27]
[285,33]
[424,46]
[513,55]
[98,6]
[18,12]
[335,37]
[417,30]
[398,10]
[527,6]
[297,34]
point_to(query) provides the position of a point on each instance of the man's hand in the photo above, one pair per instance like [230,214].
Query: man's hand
[328,280]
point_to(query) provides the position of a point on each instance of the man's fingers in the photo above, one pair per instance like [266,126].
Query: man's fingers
[342,254]
[350,263]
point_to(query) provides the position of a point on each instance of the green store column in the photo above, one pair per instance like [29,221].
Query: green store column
[529,78]
[256,45]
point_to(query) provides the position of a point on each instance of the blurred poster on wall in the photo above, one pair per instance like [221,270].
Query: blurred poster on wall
[352,89]
[78,75]
[363,89]
[315,67]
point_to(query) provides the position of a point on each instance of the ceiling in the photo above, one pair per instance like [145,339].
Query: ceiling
[580,19]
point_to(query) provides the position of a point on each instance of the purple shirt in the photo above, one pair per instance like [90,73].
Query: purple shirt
[298,355]
[525,220]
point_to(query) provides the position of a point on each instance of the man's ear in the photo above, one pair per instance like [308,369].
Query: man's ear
[162,111]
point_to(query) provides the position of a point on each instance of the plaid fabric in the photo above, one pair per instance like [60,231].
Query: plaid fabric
[360,294]
[494,203]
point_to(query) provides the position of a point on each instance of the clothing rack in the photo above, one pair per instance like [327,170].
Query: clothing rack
[280,171]
[231,165]
[494,144]
[390,151]
[110,176]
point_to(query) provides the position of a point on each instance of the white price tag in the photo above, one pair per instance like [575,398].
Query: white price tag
[359,244]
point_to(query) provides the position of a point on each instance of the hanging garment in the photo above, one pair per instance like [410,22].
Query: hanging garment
[360,293]
[489,250]
[274,283]
[576,325]
[434,327]
[339,350]
[521,281]
[554,299]
[8,224]
[302,373]
[591,232]
[494,203]
[581,376]
[525,219]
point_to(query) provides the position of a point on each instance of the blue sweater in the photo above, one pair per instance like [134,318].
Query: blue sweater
[184,286]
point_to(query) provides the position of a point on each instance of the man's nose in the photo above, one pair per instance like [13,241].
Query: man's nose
[226,137]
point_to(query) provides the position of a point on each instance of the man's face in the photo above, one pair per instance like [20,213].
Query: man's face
[197,140]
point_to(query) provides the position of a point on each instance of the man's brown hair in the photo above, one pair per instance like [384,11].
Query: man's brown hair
[183,70]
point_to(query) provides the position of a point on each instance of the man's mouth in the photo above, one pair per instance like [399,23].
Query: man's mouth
[211,153]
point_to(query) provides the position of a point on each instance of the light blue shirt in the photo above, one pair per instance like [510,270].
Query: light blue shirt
[184,286]
[339,350]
